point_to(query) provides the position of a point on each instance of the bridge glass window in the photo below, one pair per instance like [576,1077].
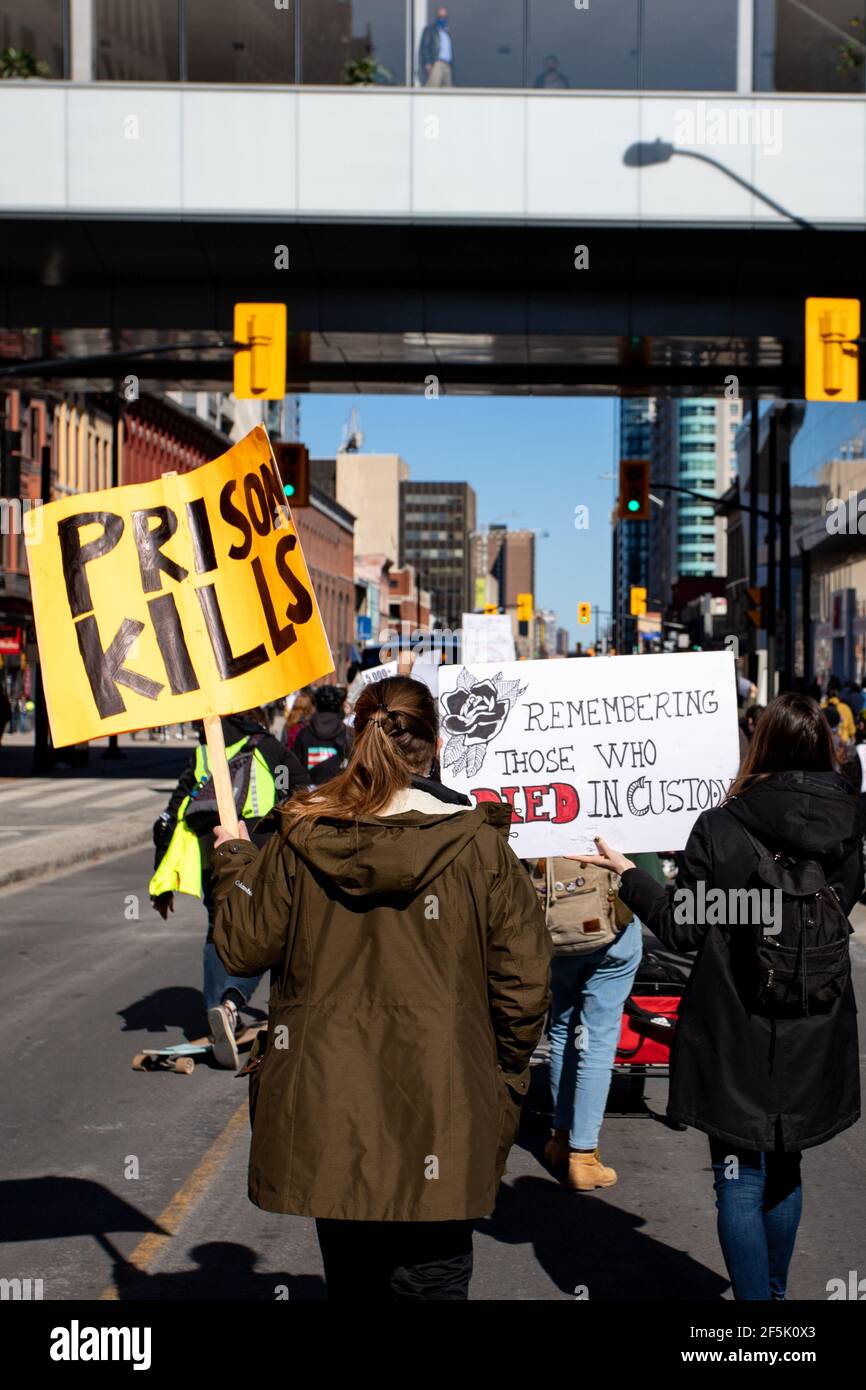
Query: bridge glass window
[480,46]
[814,47]
[34,28]
[353,42]
[247,41]
[592,48]
[689,47]
[136,43]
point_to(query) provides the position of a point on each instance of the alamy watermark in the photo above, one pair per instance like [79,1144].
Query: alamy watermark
[846,518]
[712,907]
[702,124]
[21,516]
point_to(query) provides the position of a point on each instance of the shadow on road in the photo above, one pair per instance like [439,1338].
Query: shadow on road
[584,1242]
[175,1008]
[226,1271]
[55,1208]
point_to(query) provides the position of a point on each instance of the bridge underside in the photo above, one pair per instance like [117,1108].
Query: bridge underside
[381,307]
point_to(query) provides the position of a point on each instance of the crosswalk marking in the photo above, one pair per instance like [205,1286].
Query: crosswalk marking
[109,803]
[32,788]
[58,795]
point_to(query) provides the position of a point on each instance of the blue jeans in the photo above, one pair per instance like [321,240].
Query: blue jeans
[217,980]
[759,1200]
[588,994]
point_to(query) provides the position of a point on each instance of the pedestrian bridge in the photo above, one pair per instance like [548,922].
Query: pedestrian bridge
[628,158]
[511,240]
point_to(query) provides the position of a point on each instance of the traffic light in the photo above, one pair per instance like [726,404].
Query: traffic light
[491,608]
[260,352]
[637,601]
[584,612]
[524,608]
[293,461]
[524,614]
[832,353]
[633,502]
[757,614]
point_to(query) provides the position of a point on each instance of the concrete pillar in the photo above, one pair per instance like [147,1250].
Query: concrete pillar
[419,19]
[81,40]
[745,44]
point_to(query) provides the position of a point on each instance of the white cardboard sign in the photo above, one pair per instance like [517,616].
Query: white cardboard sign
[487,637]
[632,748]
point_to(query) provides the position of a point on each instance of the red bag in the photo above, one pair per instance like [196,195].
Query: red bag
[647,1031]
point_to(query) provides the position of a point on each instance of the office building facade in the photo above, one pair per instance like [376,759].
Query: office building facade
[436,522]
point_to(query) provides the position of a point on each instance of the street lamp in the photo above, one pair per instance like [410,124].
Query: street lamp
[643,153]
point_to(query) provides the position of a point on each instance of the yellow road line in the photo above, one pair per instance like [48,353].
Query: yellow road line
[170,1219]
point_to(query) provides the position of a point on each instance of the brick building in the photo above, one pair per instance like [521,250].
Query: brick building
[327,535]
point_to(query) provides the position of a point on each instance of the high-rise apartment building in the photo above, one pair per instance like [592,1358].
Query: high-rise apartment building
[690,444]
[704,432]
[436,522]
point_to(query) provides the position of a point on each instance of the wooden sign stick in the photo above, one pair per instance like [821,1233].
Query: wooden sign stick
[219,767]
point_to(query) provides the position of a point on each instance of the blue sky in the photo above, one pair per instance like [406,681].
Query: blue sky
[537,456]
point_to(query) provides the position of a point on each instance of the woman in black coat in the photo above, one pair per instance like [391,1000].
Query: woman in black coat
[762,1083]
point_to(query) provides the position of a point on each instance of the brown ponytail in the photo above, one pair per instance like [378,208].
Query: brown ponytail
[396,728]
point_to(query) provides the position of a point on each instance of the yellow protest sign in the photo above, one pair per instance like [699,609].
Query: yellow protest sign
[178,599]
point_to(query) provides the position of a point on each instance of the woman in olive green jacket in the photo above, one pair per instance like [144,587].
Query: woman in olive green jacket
[410,966]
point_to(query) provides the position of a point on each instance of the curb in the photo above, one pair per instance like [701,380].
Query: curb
[100,841]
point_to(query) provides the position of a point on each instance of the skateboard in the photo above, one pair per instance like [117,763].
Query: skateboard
[181,1057]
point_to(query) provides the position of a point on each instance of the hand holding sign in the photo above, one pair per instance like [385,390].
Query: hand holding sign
[606,858]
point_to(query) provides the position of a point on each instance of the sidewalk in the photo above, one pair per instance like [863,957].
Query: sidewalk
[84,813]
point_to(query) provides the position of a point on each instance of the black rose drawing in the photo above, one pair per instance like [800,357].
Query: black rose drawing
[474,713]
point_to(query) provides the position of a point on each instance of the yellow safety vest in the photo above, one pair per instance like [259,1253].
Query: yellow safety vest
[180,869]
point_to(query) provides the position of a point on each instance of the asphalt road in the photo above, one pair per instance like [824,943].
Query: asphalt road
[102,1165]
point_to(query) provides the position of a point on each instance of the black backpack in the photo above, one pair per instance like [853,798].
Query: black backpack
[202,812]
[804,967]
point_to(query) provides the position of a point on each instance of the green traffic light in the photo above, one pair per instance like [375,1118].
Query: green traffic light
[289,489]
[634,505]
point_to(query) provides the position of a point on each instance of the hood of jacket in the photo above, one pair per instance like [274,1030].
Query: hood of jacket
[394,854]
[807,815]
[235,727]
[327,725]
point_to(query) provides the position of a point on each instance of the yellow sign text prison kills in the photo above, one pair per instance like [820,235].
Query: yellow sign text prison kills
[173,600]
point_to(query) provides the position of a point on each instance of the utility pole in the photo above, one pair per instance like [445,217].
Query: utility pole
[772,458]
[787,654]
[113,751]
[754,487]
[43,752]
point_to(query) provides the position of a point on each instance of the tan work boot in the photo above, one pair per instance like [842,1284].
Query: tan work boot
[556,1149]
[586,1172]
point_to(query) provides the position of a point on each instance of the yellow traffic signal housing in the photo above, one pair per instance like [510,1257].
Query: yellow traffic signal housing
[832,353]
[524,608]
[633,502]
[584,612]
[757,614]
[491,608]
[637,601]
[293,462]
[260,352]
